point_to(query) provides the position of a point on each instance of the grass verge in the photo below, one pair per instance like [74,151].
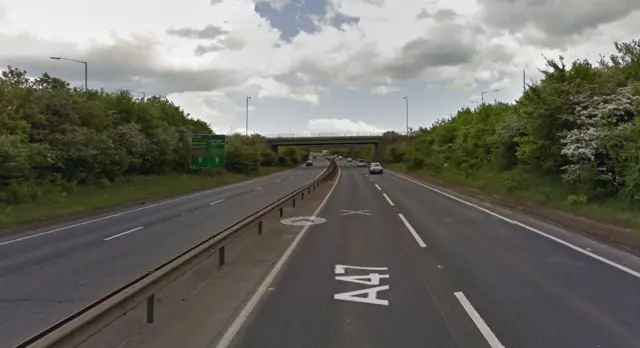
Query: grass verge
[546,198]
[88,199]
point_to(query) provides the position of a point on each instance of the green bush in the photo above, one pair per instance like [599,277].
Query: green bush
[53,137]
[577,131]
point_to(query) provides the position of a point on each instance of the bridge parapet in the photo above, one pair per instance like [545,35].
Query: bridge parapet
[327,135]
[378,140]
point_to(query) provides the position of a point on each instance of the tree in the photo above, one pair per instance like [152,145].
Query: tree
[579,125]
[54,136]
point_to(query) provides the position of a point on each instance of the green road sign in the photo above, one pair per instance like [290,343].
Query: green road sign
[207,151]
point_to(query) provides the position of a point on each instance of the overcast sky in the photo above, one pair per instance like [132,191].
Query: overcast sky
[310,65]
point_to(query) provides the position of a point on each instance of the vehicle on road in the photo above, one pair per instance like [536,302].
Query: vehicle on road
[362,163]
[375,168]
[349,160]
[340,158]
[309,163]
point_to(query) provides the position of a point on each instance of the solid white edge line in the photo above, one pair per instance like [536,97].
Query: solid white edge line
[132,210]
[517,223]
[378,187]
[388,199]
[123,233]
[216,202]
[491,338]
[248,308]
[413,231]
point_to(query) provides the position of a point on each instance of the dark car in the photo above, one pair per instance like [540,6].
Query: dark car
[309,163]
[375,168]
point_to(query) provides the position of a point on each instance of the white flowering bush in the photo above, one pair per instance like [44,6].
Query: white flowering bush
[595,117]
[578,127]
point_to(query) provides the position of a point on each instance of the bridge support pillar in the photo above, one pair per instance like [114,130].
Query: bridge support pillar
[274,148]
[380,151]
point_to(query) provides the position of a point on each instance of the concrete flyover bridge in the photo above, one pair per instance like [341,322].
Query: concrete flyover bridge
[378,140]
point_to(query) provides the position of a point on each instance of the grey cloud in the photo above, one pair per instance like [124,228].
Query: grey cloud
[497,54]
[201,50]
[423,14]
[124,65]
[440,15]
[233,42]
[445,15]
[208,32]
[346,72]
[558,20]
[228,42]
[422,53]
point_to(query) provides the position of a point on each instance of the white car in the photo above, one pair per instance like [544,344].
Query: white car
[362,163]
[375,168]
[349,160]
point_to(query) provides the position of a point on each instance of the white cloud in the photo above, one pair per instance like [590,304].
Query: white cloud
[207,55]
[384,90]
[340,126]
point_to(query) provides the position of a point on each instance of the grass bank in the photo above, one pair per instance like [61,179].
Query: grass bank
[88,199]
[521,187]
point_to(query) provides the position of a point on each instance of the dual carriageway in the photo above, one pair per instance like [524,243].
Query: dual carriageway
[394,262]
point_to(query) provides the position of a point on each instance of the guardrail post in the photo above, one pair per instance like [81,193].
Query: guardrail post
[281,211]
[309,190]
[302,197]
[260,227]
[294,202]
[221,256]
[151,300]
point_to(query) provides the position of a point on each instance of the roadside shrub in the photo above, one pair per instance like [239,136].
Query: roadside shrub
[53,137]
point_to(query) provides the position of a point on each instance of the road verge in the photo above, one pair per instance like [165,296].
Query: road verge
[93,201]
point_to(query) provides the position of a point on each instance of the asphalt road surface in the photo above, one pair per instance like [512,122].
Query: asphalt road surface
[48,274]
[399,265]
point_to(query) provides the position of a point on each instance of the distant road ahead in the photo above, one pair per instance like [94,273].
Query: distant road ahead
[399,265]
[48,274]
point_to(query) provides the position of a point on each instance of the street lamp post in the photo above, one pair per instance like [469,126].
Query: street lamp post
[246,128]
[406,99]
[86,69]
[483,93]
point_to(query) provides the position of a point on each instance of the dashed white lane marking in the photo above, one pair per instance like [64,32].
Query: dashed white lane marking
[258,188]
[388,199]
[477,319]
[248,308]
[126,212]
[413,231]
[216,202]
[123,233]
[378,187]
[517,223]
